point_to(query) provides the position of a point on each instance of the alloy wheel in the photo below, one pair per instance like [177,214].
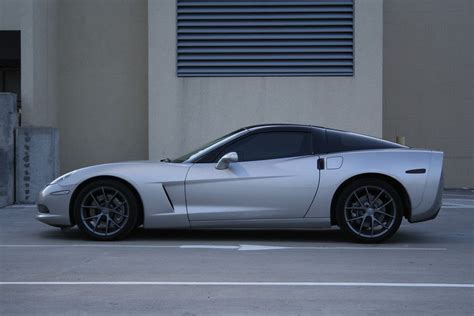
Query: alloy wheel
[104,211]
[370,211]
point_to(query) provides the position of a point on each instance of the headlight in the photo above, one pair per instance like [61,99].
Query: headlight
[61,178]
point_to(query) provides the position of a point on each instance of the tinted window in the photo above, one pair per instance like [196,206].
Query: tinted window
[344,141]
[319,141]
[203,147]
[271,145]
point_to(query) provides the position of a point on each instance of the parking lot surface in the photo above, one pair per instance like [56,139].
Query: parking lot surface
[426,268]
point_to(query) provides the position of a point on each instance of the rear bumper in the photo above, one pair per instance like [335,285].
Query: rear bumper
[433,211]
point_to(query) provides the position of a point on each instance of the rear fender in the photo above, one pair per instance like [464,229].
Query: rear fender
[392,163]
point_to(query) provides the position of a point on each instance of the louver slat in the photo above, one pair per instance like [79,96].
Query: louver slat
[264,38]
[264,23]
[183,3]
[192,30]
[263,16]
[268,50]
[215,57]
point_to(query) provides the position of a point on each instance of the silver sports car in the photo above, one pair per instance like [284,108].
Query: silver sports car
[277,176]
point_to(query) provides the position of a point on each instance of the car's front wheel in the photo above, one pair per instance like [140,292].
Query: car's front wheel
[106,210]
[369,210]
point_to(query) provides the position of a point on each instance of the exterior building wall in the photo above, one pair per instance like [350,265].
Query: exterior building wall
[102,82]
[37,21]
[185,112]
[84,70]
[428,80]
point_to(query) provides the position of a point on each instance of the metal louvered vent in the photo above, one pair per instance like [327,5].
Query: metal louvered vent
[265,38]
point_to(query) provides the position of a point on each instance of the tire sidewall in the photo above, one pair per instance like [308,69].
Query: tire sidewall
[125,191]
[348,190]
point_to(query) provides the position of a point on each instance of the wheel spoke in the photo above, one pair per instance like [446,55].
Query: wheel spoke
[358,200]
[362,224]
[385,204]
[107,219]
[386,227]
[113,196]
[378,195]
[356,218]
[106,202]
[91,217]
[372,226]
[97,223]
[354,208]
[95,200]
[113,222]
[386,214]
[368,196]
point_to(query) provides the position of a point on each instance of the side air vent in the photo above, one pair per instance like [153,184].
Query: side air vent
[265,38]
[168,197]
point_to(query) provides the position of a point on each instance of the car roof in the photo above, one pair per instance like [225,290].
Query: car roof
[281,125]
[289,126]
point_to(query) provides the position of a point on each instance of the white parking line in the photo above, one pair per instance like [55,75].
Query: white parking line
[457,206]
[314,284]
[458,203]
[226,247]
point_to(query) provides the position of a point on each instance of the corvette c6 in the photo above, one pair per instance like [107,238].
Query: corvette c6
[276,176]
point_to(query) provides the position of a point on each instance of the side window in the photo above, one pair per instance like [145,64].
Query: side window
[345,141]
[272,145]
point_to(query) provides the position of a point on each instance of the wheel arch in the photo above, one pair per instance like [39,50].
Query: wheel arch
[394,182]
[90,180]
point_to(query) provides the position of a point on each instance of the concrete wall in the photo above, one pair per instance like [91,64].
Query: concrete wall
[185,112]
[428,80]
[8,122]
[36,161]
[102,81]
[37,21]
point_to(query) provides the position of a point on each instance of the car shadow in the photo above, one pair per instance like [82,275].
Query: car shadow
[314,237]
[325,235]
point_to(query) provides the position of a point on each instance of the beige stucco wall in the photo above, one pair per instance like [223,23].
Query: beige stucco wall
[84,70]
[37,21]
[185,112]
[102,81]
[428,80]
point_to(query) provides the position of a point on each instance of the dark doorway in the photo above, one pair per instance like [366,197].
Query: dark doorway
[10,65]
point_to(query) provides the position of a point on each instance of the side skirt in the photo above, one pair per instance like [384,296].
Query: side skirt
[290,223]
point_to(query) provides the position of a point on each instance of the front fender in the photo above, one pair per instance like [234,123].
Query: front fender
[159,185]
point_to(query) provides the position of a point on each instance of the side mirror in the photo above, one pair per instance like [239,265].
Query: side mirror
[225,160]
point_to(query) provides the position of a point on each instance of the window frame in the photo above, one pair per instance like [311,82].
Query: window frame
[224,149]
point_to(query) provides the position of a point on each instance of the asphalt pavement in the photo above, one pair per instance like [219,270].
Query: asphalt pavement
[426,268]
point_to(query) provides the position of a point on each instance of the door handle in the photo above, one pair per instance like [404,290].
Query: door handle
[320,163]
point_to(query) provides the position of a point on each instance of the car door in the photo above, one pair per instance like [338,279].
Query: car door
[276,176]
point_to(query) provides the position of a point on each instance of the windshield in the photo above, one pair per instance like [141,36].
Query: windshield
[195,152]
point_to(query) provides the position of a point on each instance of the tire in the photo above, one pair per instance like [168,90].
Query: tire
[106,210]
[369,210]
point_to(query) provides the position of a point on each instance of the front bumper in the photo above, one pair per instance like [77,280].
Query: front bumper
[53,205]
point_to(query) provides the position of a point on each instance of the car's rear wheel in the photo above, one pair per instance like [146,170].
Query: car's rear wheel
[106,210]
[369,210]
